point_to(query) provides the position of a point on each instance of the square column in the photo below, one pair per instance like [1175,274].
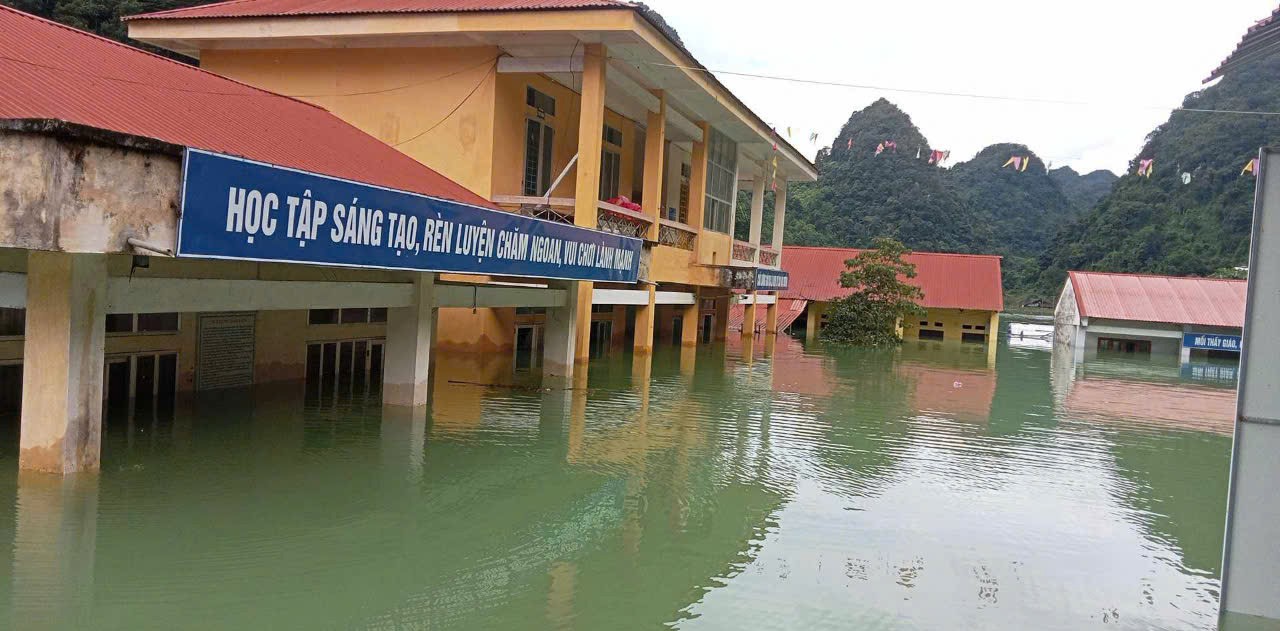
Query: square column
[645,316]
[655,153]
[749,317]
[689,316]
[560,334]
[757,207]
[771,317]
[406,379]
[698,179]
[779,217]
[722,318]
[586,195]
[62,374]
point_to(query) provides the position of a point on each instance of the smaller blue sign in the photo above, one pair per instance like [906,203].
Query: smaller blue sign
[771,279]
[1211,342]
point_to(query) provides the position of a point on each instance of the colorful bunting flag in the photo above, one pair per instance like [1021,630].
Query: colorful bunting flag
[1145,167]
[1019,163]
[1186,177]
[937,156]
[880,148]
[850,144]
[1251,167]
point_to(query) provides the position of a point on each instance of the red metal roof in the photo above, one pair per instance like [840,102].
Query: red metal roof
[788,310]
[54,72]
[949,281]
[269,8]
[1170,299]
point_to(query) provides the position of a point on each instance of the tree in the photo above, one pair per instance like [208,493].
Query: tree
[881,298]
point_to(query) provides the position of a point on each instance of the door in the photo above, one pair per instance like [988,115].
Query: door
[601,337]
[708,326]
[346,367]
[528,345]
[677,330]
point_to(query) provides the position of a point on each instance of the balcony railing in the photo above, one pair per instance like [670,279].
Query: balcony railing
[623,221]
[744,252]
[676,234]
[768,257]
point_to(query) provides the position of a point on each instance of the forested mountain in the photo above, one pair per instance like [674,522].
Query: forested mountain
[980,205]
[1163,225]
[98,16]
[861,195]
[1083,191]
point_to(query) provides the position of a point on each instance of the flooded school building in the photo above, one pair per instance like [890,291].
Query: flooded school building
[355,188]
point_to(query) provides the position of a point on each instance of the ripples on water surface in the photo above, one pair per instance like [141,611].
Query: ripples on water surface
[918,488]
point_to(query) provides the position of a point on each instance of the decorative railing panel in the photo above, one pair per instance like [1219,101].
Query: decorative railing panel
[768,257]
[676,235]
[743,251]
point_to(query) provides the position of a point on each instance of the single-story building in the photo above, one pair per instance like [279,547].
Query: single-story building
[1150,315]
[963,295]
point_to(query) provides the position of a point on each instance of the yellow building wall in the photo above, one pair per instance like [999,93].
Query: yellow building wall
[510,114]
[675,265]
[403,96]
[485,331]
[714,248]
[952,320]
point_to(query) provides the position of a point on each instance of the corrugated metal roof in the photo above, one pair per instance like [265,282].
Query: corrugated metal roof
[268,8]
[1168,299]
[1259,41]
[54,72]
[788,310]
[949,281]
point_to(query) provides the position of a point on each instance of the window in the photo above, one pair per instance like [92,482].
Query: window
[937,324]
[610,168]
[347,315]
[601,308]
[530,310]
[142,322]
[13,322]
[722,183]
[966,326]
[708,304]
[977,338]
[1124,346]
[924,323]
[980,327]
[930,334]
[545,104]
[538,141]
[612,136]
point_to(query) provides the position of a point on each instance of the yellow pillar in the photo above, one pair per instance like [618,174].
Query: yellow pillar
[689,317]
[655,151]
[993,338]
[645,317]
[749,317]
[812,318]
[698,179]
[587,186]
[722,317]
[61,428]
[771,317]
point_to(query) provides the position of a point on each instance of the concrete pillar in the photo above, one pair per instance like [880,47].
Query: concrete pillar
[771,317]
[62,377]
[690,315]
[1184,356]
[410,330]
[645,317]
[749,317]
[813,317]
[560,334]
[757,207]
[722,318]
[587,185]
[698,180]
[1251,551]
[993,338]
[779,217]
[54,548]
[655,153]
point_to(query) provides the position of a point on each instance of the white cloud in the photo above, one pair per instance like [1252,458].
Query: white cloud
[1130,61]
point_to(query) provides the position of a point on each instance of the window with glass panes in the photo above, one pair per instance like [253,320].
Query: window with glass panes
[722,174]
[538,142]
[610,163]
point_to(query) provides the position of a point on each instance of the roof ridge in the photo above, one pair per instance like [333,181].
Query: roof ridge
[925,252]
[149,14]
[31,16]
[1165,276]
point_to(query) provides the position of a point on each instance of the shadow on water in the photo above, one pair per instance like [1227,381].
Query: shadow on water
[769,485]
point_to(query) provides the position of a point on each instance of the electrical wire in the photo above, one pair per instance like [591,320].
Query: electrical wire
[400,87]
[453,111]
[970,95]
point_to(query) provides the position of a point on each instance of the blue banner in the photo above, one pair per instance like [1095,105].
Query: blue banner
[1211,342]
[239,209]
[771,279]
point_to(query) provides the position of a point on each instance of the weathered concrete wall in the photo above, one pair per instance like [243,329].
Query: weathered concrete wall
[62,194]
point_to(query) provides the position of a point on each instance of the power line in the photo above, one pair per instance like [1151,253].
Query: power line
[400,87]
[452,111]
[970,95]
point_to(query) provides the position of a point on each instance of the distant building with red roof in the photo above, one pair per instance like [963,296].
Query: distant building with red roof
[963,294]
[1149,314]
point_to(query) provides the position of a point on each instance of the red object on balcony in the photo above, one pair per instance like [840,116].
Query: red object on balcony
[625,202]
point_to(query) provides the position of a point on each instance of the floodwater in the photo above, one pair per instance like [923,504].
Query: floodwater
[926,487]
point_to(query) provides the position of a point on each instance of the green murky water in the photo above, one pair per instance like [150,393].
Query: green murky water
[920,488]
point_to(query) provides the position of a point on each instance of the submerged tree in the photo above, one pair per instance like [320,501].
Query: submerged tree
[880,300]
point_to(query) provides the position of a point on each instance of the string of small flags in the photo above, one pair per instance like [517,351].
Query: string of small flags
[1146,166]
[1019,163]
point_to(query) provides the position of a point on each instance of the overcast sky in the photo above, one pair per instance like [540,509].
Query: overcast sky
[1130,60]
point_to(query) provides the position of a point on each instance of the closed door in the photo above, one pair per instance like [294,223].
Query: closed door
[347,367]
